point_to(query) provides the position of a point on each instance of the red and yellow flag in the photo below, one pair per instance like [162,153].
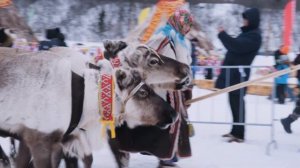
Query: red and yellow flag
[163,8]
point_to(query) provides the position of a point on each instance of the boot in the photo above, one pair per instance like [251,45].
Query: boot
[235,139]
[167,164]
[286,123]
[229,135]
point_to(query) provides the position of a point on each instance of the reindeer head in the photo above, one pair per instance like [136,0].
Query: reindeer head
[160,70]
[142,106]
[157,68]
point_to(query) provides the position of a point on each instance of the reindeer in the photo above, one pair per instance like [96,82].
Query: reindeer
[147,139]
[150,56]
[156,68]
[35,94]
[159,68]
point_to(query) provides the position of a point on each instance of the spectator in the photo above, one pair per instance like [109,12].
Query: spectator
[194,55]
[286,122]
[240,51]
[55,38]
[281,62]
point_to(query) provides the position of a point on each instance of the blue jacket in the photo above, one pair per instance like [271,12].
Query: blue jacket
[283,79]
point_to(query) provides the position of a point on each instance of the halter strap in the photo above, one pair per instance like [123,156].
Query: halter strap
[131,94]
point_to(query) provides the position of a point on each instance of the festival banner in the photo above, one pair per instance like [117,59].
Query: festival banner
[288,22]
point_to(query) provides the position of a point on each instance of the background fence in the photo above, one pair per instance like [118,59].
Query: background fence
[257,114]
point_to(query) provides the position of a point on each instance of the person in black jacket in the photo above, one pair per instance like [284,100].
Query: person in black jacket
[240,51]
[55,38]
[286,122]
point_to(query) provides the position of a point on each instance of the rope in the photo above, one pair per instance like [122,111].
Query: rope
[131,94]
[244,84]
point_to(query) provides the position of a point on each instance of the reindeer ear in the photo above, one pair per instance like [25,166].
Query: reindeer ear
[108,53]
[108,45]
[121,45]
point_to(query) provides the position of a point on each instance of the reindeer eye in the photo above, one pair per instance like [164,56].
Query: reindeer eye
[143,93]
[154,61]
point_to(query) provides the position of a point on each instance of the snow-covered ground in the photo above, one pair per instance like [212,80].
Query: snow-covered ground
[212,151]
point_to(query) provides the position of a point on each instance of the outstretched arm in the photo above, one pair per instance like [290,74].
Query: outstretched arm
[238,45]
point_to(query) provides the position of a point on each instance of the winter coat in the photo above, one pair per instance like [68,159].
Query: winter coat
[297,62]
[46,45]
[240,50]
[281,62]
[283,79]
[193,54]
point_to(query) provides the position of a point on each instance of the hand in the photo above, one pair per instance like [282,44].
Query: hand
[220,29]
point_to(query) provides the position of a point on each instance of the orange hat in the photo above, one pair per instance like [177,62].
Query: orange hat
[284,50]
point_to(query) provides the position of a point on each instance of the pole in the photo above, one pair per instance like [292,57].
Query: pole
[244,84]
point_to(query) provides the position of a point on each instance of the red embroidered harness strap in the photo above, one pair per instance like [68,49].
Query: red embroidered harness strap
[106,97]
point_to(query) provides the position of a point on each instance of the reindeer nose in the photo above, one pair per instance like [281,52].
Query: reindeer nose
[184,70]
[174,115]
[166,123]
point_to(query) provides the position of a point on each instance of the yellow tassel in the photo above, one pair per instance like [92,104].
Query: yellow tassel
[112,130]
[103,129]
